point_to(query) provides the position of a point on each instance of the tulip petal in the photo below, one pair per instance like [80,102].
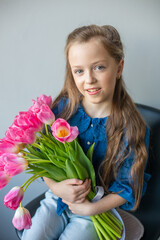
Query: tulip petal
[45,115]
[62,131]
[14,197]
[22,219]
[45,99]
[74,134]
[13,164]
[4,179]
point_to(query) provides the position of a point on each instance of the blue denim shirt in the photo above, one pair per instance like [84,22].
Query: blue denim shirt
[93,130]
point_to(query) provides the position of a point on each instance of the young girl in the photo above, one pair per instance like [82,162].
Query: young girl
[95,100]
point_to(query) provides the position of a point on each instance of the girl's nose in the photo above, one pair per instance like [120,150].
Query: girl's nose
[89,77]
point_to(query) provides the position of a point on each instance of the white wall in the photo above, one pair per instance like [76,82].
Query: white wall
[32,38]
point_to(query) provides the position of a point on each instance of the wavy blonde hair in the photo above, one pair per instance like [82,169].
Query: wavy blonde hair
[124,117]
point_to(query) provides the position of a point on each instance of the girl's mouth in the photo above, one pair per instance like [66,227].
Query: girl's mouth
[93,91]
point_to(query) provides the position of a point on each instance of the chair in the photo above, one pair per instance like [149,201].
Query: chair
[148,212]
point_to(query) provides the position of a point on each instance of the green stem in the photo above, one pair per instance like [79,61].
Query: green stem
[111,235]
[91,195]
[46,128]
[28,153]
[33,177]
[32,181]
[20,204]
[41,161]
[112,224]
[35,159]
[28,180]
[115,220]
[100,227]
[105,225]
[36,145]
[48,139]
[97,229]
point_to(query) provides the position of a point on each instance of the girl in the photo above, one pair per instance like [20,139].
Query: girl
[95,100]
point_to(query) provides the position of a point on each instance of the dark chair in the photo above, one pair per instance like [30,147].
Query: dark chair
[149,210]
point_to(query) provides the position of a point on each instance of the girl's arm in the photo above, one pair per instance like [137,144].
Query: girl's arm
[91,208]
[71,190]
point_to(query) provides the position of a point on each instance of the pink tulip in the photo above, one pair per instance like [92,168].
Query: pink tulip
[45,99]
[7,146]
[62,131]
[13,164]
[43,112]
[45,115]
[26,120]
[35,108]
[14,197]
[24,128]
[18,135]
[1,165]
[4,178]
[22,219]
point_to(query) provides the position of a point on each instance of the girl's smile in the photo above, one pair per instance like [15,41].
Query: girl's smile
[93,91]
[95,73]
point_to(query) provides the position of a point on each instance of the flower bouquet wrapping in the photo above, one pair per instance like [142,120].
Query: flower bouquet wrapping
[55,154]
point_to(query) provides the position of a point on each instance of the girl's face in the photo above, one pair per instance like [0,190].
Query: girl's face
[94,71]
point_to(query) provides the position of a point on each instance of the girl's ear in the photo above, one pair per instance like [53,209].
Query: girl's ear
[120,68]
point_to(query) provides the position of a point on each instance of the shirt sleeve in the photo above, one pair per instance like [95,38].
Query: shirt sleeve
[122,186]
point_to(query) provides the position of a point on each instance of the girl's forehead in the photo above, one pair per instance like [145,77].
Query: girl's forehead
[91,49]
[92,43]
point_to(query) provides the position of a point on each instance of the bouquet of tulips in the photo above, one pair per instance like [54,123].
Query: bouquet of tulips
[56,155]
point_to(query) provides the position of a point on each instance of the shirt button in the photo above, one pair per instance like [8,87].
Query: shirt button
[88,143]
[91,125]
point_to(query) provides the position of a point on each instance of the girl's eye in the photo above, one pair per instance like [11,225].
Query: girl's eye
[99,67]
[79,71]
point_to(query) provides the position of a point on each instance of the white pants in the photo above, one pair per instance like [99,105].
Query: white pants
[47,225]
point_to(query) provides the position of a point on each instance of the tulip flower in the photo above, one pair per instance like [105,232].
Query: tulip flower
[45,99]
[22,219]
[45,115]
[13,164]
[27,120]
[7,146]
[17,135]
[43,112]
[62,131]
[14,197]
[4,179]
[35,108]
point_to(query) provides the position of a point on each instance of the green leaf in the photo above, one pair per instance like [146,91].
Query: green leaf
[85,161]
[90,152]
[70,149]
[59,150]
[35,151]
[33,169]
[55,161]
[70,170]
[55,172]
[81,171]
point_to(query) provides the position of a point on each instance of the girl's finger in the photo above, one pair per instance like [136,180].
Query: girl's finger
[82,196]
[84,187]
[88,188]
[66,202]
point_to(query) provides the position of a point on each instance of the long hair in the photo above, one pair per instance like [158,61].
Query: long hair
[124,122]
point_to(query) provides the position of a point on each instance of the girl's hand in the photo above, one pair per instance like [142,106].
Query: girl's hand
[83,209]
[71,190]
